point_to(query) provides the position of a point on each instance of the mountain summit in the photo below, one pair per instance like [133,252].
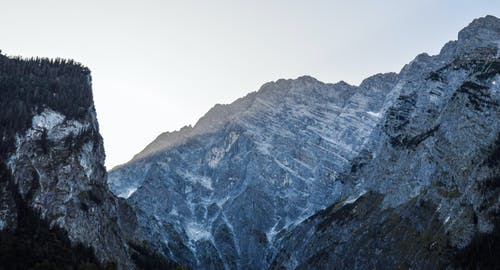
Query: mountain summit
[400,171]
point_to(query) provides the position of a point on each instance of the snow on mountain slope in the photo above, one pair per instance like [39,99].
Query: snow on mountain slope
[279,154]
[243,187]
[432,173]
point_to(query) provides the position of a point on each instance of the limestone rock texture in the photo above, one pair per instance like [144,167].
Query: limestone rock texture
[52,156]
[401,171]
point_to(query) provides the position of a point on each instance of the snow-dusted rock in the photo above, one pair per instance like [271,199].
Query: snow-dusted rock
[307,174]
[66,181]
[267,165]
[431,171]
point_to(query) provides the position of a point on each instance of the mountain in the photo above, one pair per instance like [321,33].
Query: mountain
[208,182]
[56,211]
[52,156]
[427,192]
[401,171]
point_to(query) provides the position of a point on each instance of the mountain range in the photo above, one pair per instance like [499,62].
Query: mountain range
[401,171]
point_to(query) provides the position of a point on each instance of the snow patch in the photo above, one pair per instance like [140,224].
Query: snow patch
[48,119]
[222,201]
[127,193]
[272,233]
[55,124]
[204,181]
[216,155]
[447,219]
[375,114]
[174,212]
[71,127]
[196,232]
[354,198]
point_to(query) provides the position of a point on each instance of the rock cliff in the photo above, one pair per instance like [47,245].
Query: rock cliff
[400,171]
[52,157]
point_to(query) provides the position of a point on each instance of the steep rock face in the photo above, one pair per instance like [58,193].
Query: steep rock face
[430,182]
[53,155]
[219,198]
[400,171]
[66,181]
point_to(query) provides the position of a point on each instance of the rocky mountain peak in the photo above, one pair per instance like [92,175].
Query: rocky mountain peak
[304,174]
[482,31]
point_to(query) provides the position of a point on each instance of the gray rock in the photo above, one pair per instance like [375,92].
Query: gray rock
[302,174]
[66,183]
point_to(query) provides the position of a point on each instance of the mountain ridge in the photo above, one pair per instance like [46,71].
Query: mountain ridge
[56,211]
[244,194]
[172,138]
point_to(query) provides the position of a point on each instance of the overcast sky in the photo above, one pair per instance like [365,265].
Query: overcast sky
[160,65]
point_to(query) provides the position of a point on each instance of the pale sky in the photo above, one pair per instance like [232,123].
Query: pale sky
[160,65]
